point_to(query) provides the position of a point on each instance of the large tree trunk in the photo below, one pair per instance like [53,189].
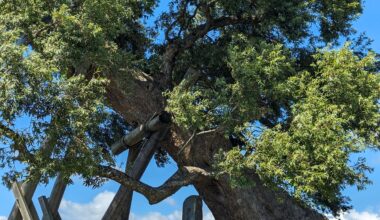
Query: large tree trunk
[225,202]
[252,202]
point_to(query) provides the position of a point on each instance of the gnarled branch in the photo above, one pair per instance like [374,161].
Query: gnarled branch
[184,176]
[177,46]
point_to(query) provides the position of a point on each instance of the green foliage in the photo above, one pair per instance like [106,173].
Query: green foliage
[235,165]
[62,111]
[285,20]
[258,70]
[46,51]
[190,113]
[335,113]
[326,114]
[80,35]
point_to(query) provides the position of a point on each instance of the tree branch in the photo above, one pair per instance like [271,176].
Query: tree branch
[19,142]
[177,46]
[184,176]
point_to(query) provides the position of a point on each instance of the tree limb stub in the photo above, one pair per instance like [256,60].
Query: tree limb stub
[140,132]
[183,177]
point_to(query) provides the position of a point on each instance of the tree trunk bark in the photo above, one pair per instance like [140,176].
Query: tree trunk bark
[251,202]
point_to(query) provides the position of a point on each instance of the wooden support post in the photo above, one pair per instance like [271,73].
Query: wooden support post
[136,135]
[50,206]
[127,198]
[56,194]
[22,203]
[46,209]
[28,189]
[119,208]
[192,208]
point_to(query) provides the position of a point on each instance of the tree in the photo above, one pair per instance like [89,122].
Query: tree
[265,109]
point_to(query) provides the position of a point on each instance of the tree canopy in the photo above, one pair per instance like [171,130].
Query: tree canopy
[272,77]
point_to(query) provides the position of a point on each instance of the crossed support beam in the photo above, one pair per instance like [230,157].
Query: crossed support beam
[24,207]
[26,190]
[138,159]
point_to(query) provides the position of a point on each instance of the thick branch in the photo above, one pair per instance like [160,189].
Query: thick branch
[184,176]
[137,102]
[178,46]
[190,78]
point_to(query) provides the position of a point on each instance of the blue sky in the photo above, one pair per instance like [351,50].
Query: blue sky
[87,203]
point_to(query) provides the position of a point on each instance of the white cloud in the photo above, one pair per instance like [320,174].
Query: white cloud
[95,209]
[170,201]
[92,210]
[3,218]
[176,215]
[355,215]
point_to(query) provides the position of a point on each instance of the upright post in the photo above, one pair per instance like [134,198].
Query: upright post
[46,209]
[192,208]
[56,195]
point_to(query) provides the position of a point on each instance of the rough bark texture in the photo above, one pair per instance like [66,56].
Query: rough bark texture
[256,202]
[225,202]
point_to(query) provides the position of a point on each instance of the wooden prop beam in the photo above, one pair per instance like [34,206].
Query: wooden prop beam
[132,155]
[28,189]
[136,135]
[120,206]
[46,209]
[56,194]
[192,208]
[50,206]
[23,204]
